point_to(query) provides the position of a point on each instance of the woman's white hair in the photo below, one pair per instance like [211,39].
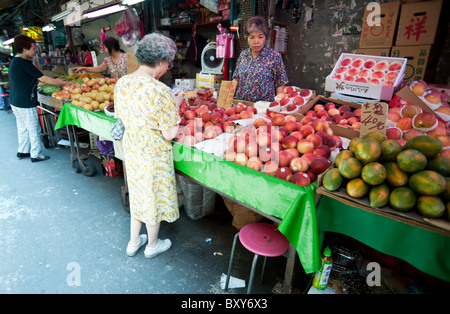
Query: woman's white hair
[153,48]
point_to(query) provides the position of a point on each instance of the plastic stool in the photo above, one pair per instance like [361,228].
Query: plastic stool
[263,240]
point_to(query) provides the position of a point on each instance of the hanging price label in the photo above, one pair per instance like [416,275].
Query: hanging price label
[373,117]
[226,94]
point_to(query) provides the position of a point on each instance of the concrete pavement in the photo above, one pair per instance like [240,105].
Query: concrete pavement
[63,232]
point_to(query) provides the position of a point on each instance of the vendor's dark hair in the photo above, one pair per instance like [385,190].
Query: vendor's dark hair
[257,23]
[112,44]
[84,48]
[22,42]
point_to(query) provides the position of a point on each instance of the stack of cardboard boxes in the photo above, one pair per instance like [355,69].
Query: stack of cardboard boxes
[408,29]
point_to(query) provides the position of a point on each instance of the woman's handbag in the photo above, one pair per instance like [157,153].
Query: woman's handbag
[117,130]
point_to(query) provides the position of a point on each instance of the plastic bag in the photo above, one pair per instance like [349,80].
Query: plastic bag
[224,43]
[129,27]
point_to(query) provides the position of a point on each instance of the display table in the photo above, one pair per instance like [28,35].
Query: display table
[426,250]
[294,205]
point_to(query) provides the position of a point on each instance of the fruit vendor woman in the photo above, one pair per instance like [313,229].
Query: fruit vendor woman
[260,72]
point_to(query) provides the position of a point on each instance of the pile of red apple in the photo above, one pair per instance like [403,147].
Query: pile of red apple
[285,148]
[289,101]
[337,114]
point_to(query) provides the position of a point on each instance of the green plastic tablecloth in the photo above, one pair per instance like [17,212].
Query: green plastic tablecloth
[426,250]
[293,204]
[96,122]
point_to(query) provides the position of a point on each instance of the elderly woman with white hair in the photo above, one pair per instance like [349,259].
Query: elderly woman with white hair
[148,111]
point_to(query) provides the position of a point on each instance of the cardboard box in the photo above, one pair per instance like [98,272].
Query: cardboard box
[338,130]
[422,61]
[366,90]
[208,81]
[382,52]
[419,24]
[383,34]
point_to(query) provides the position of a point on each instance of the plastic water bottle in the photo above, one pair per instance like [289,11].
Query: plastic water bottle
[320,280]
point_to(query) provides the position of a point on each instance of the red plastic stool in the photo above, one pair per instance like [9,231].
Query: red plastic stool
[262,239]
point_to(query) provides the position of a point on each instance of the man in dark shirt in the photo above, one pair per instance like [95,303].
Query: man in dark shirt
[24,78]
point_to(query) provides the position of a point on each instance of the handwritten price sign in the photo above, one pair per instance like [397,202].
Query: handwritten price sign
[226,94]
[373,117]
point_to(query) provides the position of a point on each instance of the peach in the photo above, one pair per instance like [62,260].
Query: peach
[365,73]
[291,126]
[259,122]
[377,75]
[246,114]
[230,111]
[270,167]
[189,115]
[445,153]
[230,141]
[319,164]
[277,135]
[199,136]
[301,179]
[289,142]
[210,134]
[264,139]
[324,136]
[292,94]
[239,145]
[298,135]
[251,148]
[285,101]
[361,80]
[369,64]
[311,113]
[299,101]
[180,137]
[352,120]
[412,133]
[341,70]
[227,127]
[357,63]
[343,121]
[443,110]
[320,125]
[344,108]
[404,124]
[348,114]
[189,129]
[254,163]
[393,133]
[393,116]
[433,99]
[391,76]
[333,111]
[332,144]
[353,72]
[396,66]
[241,159]
[381,66]
[338,140]
[249,131]
[289,117]
[374,81]
[266,153]
[357,112]
[349,78]
[318,107]
[438,131]
[306,120]
[410,111]
[321,152]
[284,158]
[346,61]
[337,77]
[229,154]
[298,164]
[356,126]
[239,107]
[445,140]
[329,105]
[307,130]
[288,89]
[293,151]
[418,89]
[388,83]
[284,173]
[278,120]
[305,146]
[308,157]
[336,118]
[322,113]
[305,93]
[424,120]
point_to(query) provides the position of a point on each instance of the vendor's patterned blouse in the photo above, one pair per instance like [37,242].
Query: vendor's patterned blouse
[119,68]
[259,78]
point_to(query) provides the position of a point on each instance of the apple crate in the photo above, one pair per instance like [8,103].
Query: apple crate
[366,76]
[339,130]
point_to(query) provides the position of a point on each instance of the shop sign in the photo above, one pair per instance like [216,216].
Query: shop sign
[34,32]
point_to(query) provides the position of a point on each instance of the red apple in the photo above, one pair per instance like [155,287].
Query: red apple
[319,164]
[284,173]
[301,179]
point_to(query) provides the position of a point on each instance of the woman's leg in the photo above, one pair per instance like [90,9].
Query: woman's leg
[34,131]
[152,232]
[135,229]
[22,132]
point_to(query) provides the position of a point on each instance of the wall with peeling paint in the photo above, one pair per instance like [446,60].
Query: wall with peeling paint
[324,30]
